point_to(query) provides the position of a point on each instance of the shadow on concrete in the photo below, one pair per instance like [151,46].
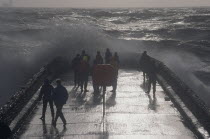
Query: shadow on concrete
[98,96]
[111,102]
[144,85]
[102,131]
[60,134]
[52,132]
[152,103]
[73,92]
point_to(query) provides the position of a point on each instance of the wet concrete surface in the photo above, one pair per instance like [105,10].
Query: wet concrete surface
[130,113]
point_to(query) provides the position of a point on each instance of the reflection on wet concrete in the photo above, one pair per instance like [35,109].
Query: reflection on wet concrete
[144,85]
[129,113]
[152,102]
[111,102]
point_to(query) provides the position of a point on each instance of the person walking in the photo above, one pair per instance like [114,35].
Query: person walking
[46,93]
[108,56]
[115,62]
[60,97]
[75,66]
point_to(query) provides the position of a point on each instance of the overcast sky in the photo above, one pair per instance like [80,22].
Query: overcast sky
[104,3]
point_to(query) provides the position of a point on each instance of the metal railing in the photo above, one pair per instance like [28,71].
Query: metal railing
[186,94]
[12,108]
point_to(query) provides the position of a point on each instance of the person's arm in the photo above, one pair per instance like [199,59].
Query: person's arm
[66,95]
[41,94]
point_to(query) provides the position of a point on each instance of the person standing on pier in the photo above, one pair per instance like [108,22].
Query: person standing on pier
[152,76]
[144,62]
[46,93]
[83,55]
[98,60]
[115,62]
[75,66]
[84,69]
[60,97]
[108,56]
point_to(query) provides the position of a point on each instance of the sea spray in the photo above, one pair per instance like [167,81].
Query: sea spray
[29,38]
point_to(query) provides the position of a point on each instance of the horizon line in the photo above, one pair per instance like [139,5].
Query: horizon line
[105,7]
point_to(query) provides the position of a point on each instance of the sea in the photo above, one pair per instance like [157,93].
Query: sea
[31,37]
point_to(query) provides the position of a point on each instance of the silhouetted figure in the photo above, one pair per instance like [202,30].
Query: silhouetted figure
[98,60]
[46,93]
[115,62]
[84,73]
[60,97]
[75,66]
[5,131]
[108,56]
[83,55]
[152,77]
[144,62]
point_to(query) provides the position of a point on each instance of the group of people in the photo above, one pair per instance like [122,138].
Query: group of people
[82,67]
[82,70]
[57,96]
[149,71]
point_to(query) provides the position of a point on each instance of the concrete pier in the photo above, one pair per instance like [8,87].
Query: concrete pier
[129,114]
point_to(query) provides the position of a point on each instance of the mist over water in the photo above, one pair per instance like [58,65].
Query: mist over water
[30,38]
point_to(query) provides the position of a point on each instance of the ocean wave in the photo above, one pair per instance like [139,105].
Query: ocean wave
[32,37]
[197,18]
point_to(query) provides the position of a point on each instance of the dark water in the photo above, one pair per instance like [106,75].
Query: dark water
[29,38]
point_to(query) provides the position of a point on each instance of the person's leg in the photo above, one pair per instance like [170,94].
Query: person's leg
[62,116]
[104,88]
[144,78]
[115,85]
[75,78]
[154,86]
[52,109]
[79,78]
[81,82]
[149,85]
[44,109]
[85,82]
[57,114]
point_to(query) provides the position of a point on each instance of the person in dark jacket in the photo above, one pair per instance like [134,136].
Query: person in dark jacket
[46,93]
[75,66]
[60,97]
[108,56]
